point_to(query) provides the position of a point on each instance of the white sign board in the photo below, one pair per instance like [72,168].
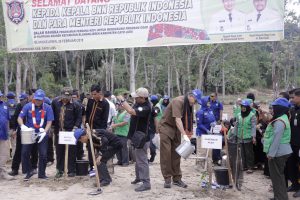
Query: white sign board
[211,141]
[66,138]
[217,129]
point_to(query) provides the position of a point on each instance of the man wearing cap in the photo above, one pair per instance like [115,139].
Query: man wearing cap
[176,122]
[67,117]
[140,116]
[293,160]
[216,106]
[24,98]
[12,104]
[277,146]
[97,111]
[39,116]
[4,122]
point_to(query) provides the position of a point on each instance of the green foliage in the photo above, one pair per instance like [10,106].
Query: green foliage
[48,84]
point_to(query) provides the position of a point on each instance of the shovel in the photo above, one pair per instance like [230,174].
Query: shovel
[99,190]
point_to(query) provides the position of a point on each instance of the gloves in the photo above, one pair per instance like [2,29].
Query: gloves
[23,127]
[41,135]
[34,136]
[208,132]
[186,138]
[213,124]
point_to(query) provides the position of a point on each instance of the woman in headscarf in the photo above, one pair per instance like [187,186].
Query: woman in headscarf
[277,146]
[246,132]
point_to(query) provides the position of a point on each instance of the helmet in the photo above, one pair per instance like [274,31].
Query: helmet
[197,94]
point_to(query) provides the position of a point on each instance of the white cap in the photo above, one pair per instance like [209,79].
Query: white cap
[141,92]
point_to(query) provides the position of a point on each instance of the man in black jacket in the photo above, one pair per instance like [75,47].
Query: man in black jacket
[293,161]
[96,113]
[107,144]
[67,117]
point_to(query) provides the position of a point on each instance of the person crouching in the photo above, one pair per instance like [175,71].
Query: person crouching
[106,145]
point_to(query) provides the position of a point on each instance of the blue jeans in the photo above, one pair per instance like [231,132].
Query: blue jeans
[42,148]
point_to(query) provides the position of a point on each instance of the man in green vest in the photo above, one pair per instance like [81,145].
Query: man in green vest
[120,126]
[277,146]
[246,132]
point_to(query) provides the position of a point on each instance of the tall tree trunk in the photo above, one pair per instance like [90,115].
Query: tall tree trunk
[25,72]
[18,76]
[203,65]
[169,76]
[223,83]
[77,78]
[5,63]
[112,66]
[188,65]
[274,75]
[67,69]
[132,71]
[146,72]
[83,57]
[34,84]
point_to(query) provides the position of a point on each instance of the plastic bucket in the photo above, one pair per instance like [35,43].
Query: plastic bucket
[221,174]
[26,136]
[185,149]
[82,167]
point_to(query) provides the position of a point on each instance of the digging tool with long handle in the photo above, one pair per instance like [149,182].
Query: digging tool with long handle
[99,190]
[66,159]
[228,162]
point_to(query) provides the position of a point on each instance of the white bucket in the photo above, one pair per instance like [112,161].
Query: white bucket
[185,149]
[26,136]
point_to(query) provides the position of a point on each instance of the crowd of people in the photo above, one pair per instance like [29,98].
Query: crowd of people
[125,125]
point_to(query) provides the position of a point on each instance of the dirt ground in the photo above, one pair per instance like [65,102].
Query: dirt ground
[255,187]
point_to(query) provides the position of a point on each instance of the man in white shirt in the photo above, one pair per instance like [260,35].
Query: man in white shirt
[112,108]
[228,20]
[263,18]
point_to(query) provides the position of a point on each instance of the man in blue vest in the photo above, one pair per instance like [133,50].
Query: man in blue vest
[216,106]
[39,116]
[4,120]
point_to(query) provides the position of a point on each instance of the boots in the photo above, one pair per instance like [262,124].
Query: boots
[105,178]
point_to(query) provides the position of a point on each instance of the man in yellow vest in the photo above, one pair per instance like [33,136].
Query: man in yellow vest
[277,146]
[120,126]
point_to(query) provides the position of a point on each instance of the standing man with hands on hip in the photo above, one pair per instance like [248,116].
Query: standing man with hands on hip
[177,121]
[39,116]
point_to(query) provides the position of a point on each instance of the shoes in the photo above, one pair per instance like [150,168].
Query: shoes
[297,194]
[13,173]
[28,176]
[49,163]
[293,188]
[34,171]
[249,171]
[72,174]
[43,177]
[180,183]
[59,174]
[124,165]
[5,176]
[136,181]
[167,184]
[152,159]
[92,173]
[104,183]
[143,188]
